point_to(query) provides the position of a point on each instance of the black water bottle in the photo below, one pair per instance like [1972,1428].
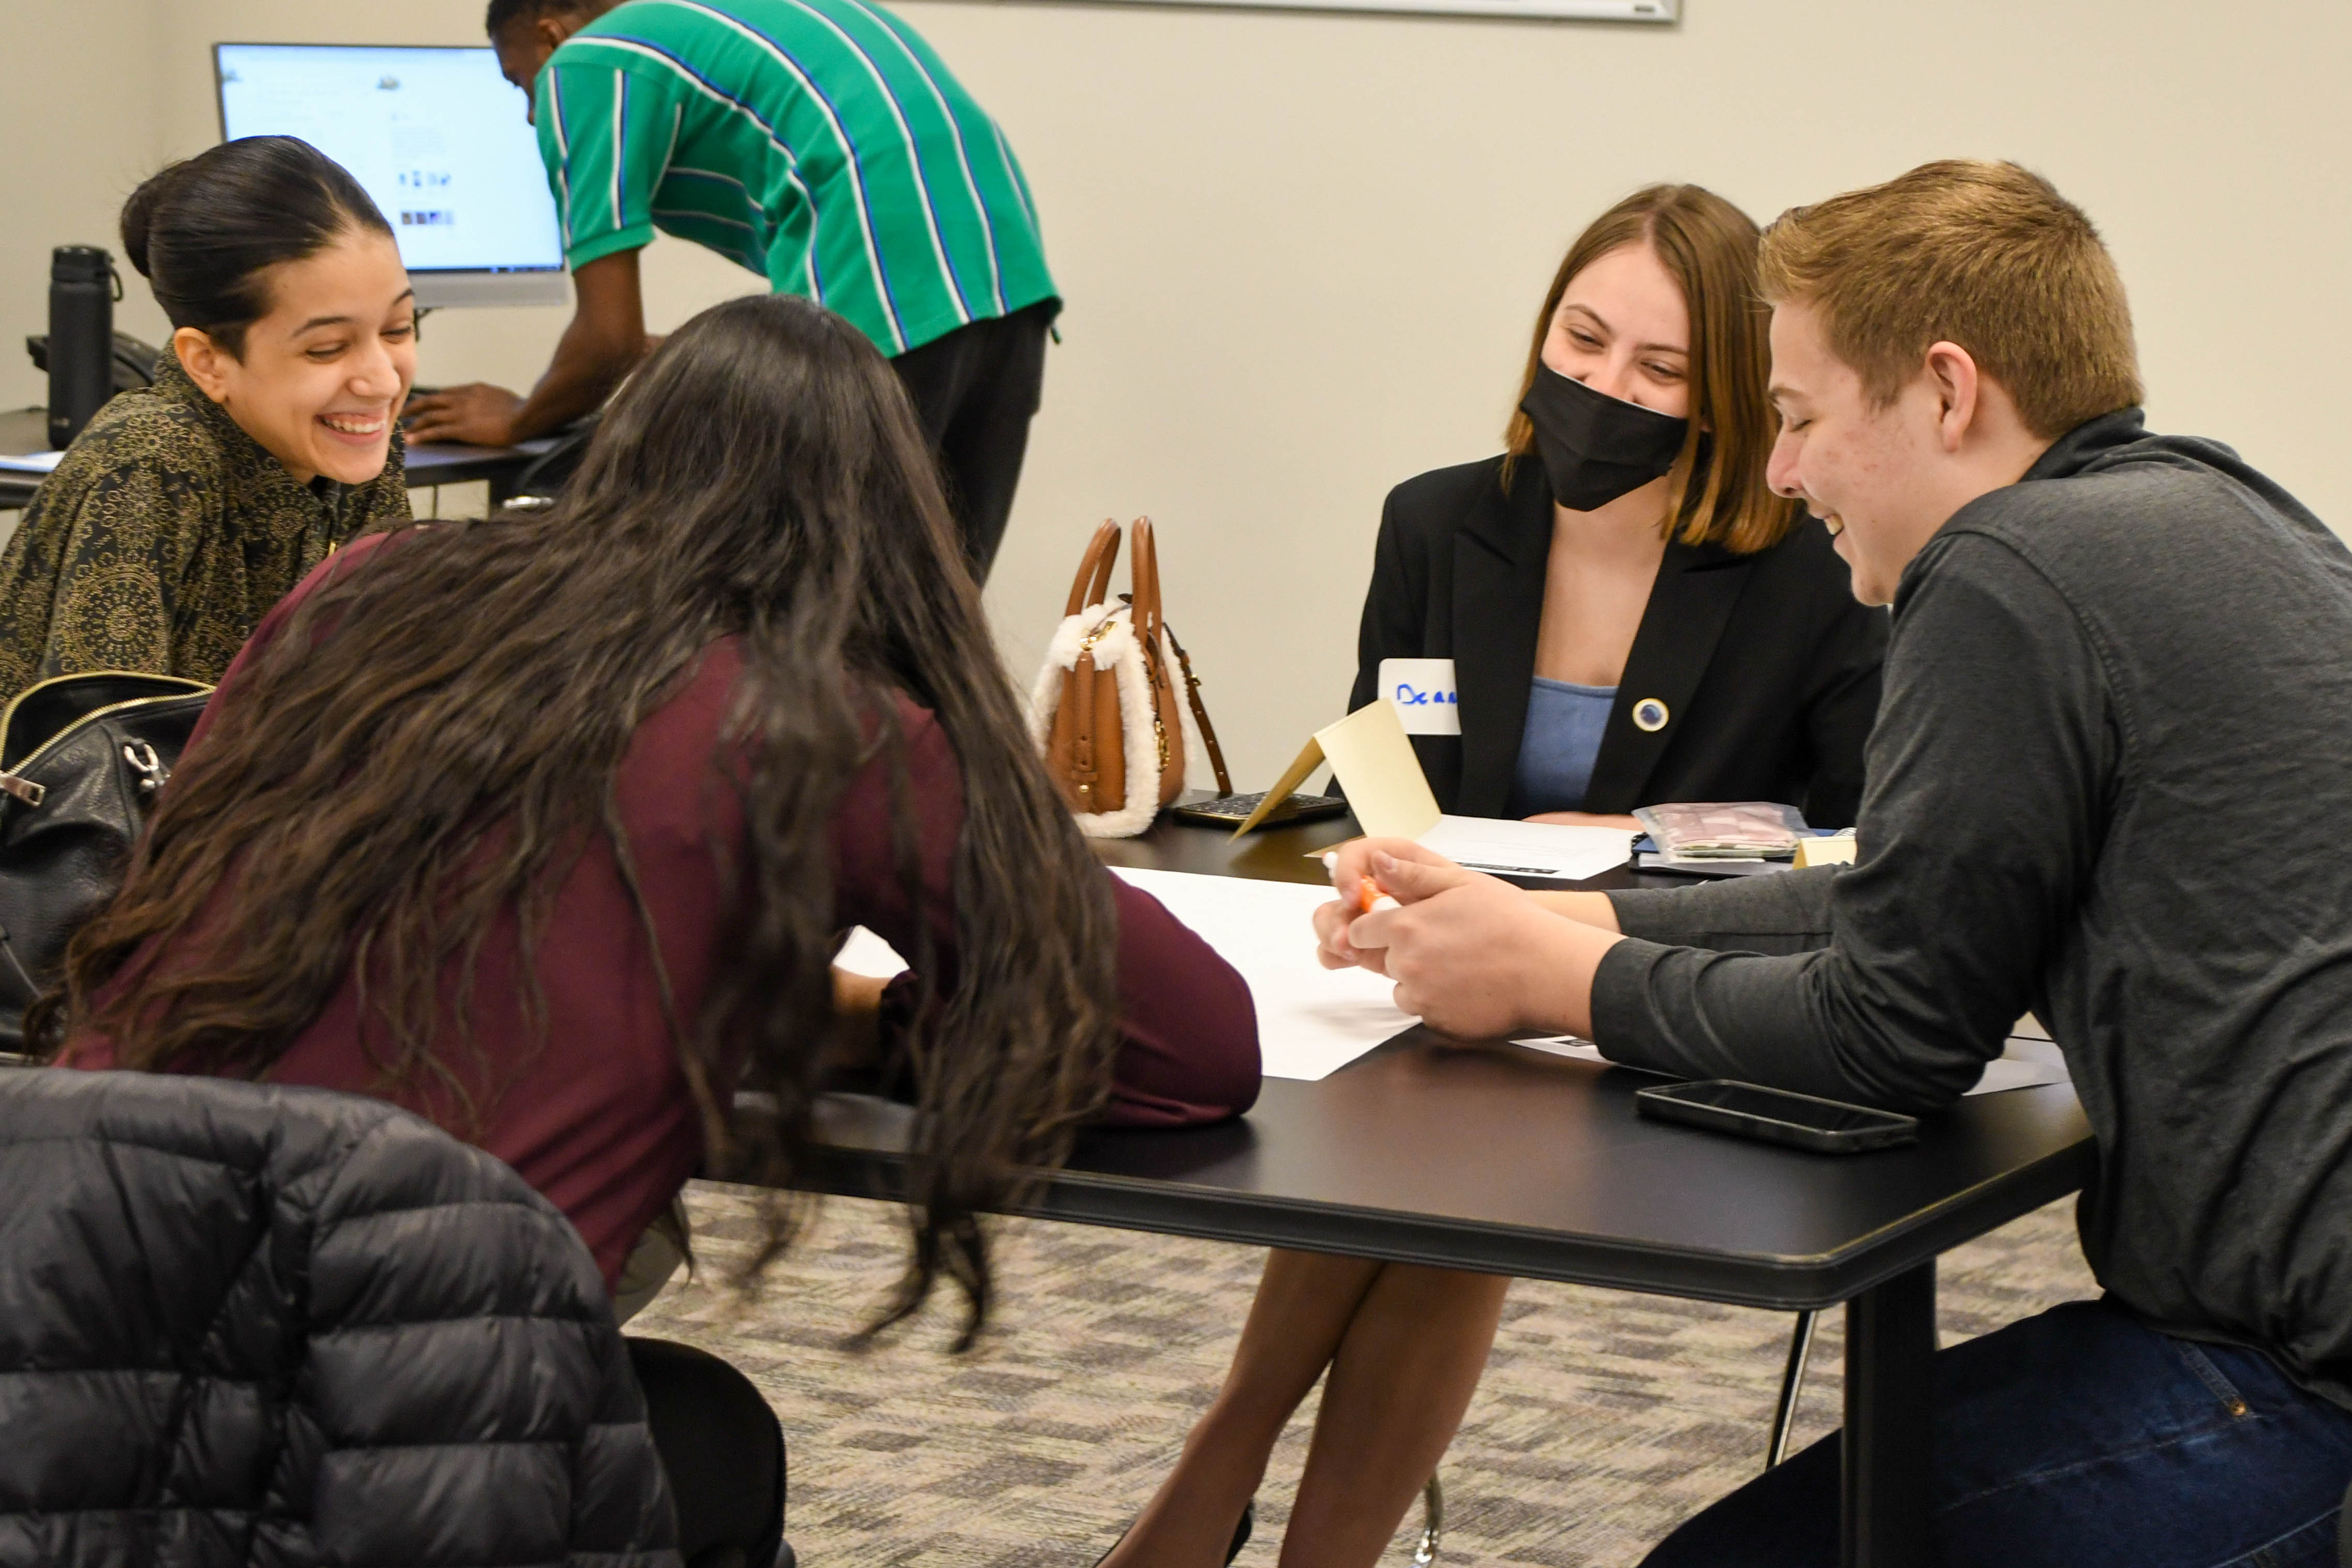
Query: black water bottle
[81,338]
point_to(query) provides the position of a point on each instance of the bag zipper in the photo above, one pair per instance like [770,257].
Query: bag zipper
[8,714]
[14,782]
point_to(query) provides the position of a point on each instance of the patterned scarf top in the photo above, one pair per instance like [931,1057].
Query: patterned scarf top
[165,536]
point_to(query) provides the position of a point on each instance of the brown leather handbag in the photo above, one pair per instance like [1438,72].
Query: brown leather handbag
[1104,711]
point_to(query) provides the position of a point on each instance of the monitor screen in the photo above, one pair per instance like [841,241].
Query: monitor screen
[436,135]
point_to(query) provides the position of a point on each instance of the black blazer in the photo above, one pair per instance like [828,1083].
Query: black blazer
[1767,665]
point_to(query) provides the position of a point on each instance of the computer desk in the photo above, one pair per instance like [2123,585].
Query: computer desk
[1503,1160]
[440,463]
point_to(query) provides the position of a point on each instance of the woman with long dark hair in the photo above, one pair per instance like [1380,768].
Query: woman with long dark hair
[548,827]
[184,511]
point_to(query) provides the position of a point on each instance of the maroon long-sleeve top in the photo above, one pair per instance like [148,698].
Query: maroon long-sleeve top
[599,1117]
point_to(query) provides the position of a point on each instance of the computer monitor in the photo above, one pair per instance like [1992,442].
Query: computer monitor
[436,136]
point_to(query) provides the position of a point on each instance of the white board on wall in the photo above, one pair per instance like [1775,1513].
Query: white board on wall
[1537,10]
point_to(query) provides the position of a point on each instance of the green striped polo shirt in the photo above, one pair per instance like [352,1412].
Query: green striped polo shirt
[820,142]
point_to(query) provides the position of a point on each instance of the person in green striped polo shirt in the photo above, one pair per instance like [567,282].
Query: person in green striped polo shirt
[818,143]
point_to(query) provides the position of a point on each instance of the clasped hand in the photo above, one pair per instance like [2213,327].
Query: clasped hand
[1472,955]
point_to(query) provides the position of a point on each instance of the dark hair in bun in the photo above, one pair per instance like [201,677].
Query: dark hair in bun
[204,230]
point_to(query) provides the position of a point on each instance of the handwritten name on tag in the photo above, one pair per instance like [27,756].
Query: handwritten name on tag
[1422,691]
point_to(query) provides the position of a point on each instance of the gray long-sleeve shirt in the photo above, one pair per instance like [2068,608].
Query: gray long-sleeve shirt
[2111,781]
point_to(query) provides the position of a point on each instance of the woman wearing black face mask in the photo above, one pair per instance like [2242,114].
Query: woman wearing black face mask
[1630,618]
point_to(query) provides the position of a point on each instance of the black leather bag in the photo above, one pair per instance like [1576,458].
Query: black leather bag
[82,758]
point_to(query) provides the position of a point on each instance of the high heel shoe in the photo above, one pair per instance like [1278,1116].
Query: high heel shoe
[1240,1536]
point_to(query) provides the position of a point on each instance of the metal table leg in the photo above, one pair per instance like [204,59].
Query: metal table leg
[1792,1387]
[1890,1343]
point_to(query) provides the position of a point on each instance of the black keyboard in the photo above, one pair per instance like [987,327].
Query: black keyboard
[1232,810]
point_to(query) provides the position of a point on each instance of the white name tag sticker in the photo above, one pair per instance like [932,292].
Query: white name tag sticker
[1422,691]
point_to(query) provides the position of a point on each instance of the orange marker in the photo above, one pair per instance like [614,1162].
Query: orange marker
[1369,896]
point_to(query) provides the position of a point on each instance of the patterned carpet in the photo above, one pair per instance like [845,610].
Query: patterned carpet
[1604,1419]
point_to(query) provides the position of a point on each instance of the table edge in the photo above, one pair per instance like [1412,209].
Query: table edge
[1780,1282]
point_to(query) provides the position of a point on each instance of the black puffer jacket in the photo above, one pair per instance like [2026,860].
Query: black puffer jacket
[245,1324]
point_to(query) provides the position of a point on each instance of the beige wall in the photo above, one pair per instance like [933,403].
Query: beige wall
[78,129]
[1301,251]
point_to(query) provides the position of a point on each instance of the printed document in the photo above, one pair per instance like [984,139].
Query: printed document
[1505,847]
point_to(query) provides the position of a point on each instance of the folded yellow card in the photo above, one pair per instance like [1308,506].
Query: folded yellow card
[1837,849]
[1373,760]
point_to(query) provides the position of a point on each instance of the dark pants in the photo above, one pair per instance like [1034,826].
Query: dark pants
[2079,1438]
[974,391]
[723,1450]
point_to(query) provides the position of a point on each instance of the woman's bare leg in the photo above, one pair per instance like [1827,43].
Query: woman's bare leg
[1405,1347]
[1402,1376]
[1306,1302]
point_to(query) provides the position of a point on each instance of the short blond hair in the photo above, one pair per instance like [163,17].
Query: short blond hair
[1988,255]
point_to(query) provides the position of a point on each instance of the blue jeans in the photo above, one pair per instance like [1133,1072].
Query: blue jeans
[2079,1439]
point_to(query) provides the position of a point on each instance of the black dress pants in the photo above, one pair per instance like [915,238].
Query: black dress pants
[723,1452]
[974,391]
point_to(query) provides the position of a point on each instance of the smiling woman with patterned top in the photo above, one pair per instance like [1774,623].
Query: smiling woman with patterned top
[186,510]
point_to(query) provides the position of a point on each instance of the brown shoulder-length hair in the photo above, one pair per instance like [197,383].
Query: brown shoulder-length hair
[1716,493]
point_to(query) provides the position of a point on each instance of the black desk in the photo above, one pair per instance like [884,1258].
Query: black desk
[22,430]
[450,463]
[1499,1159]
[440,463]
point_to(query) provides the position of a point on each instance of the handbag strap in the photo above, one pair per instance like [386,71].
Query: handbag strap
[1144,565]
[1093,580]
[1201,715]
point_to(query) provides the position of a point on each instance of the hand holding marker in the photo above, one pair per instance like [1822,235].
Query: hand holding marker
[1369,895]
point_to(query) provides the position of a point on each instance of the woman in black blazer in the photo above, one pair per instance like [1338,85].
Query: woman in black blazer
[1750,676]
[1622,574]
[1632,616]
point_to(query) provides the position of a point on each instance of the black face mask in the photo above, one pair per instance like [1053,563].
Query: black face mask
[1596,448]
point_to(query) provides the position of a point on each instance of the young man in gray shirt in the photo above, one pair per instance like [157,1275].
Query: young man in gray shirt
[2112,763]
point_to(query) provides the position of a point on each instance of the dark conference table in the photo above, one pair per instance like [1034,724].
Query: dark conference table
[1504,1159]
[25,430]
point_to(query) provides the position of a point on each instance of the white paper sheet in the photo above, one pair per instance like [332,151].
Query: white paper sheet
[1529,849]
[2019,1072]
[2027,1069]
[1311,1021]
[867,954]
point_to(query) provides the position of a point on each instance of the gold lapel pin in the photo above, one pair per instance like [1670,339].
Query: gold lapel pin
[1650,715]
